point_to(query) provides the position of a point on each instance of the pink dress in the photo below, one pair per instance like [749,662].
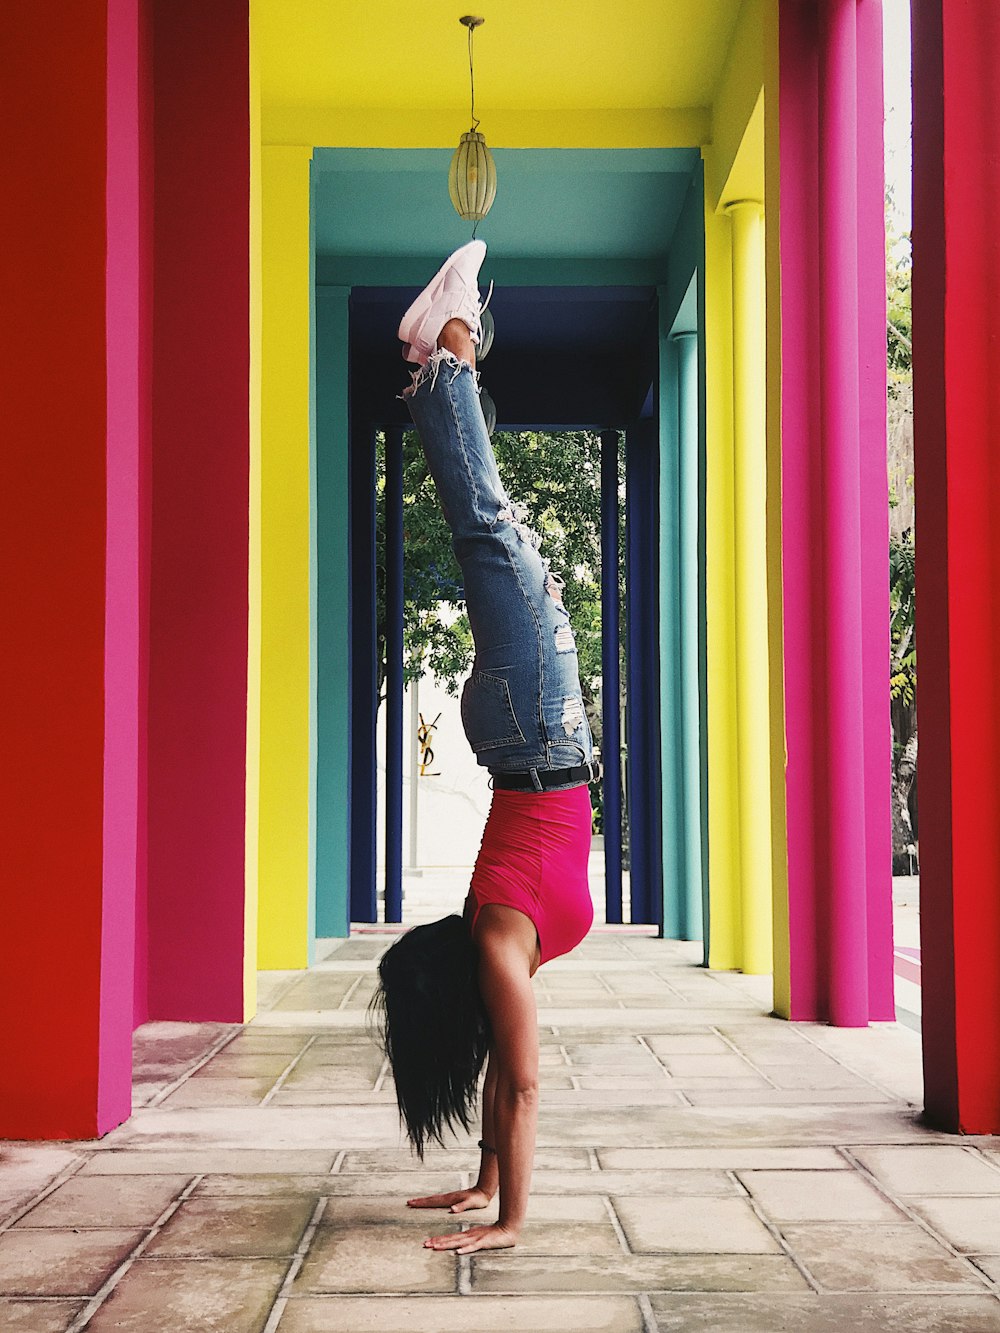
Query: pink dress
[533,857]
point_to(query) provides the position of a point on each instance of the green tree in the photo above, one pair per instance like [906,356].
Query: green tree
[557,477]
[899,310]
[902,624]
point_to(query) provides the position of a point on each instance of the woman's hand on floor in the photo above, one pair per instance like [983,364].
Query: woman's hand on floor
[493,1237]
[458,1201]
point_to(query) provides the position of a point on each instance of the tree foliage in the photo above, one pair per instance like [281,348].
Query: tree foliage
[899,310]
[899,331]
[557,477]
[903,650]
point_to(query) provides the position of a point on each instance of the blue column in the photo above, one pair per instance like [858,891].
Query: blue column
[394,675]
[643,671]
[364,676]
[681,637]
[611,678]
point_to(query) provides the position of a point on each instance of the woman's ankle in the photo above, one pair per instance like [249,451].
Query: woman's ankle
[455,338]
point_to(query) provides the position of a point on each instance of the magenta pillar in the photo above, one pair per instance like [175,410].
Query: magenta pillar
[834,512]
[200,510]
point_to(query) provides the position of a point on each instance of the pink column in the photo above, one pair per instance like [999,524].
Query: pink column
[126,574]
[834,488]
[200,509]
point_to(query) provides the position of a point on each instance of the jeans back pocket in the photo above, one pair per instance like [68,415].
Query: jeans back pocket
[488,713]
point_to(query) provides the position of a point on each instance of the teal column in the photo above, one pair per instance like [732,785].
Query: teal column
[671,750]
[692,904]
[331,602]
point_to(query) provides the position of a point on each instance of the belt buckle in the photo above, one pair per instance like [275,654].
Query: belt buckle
[594,768]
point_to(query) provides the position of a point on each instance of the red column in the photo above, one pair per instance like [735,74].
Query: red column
[200,513]
[956,365]
[69,670]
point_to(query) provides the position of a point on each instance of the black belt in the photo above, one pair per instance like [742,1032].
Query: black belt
[548,777]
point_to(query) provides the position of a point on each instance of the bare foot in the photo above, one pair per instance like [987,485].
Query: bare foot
[456,338]
[495,1237]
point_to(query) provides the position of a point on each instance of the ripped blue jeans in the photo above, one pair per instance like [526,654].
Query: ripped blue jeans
[522,708]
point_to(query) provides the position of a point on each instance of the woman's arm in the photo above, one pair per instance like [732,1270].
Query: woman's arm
[506,940]
[483,1191]
[489,1171]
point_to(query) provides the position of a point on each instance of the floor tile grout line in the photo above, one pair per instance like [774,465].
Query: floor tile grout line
[724,1037]
[279,1081]
[873,1083]
[463,1275]
[107,1287]
[976,1152]
[593,1160]
[351,989]
[775,1232]
[289,985]
[994,1282]
[641,1038]
[649,1324]
[217,1046]
[898,1202]
[294,1265]
[615,1221]
[70,1170]
[382,1075]
[679,1093]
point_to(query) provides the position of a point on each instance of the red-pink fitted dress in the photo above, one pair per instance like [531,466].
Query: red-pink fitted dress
[533,857]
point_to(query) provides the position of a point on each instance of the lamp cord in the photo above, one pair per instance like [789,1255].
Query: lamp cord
[472,81]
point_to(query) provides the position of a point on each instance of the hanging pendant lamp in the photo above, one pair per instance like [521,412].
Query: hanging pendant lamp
[472,178]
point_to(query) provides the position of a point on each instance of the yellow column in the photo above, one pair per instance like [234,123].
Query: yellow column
[750,530]
[286,909]
[723,787]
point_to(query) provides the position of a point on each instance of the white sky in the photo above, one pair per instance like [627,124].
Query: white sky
[896,68]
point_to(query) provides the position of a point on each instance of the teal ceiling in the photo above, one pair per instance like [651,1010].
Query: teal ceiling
[553,207]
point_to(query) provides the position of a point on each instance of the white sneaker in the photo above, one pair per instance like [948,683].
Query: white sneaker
[452,293]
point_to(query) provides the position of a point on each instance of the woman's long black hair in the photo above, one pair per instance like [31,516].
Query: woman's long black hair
[433,1027]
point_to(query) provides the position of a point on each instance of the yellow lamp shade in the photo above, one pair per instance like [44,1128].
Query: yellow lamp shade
[472,178]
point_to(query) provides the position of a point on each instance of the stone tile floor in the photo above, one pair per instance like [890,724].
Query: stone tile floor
[700,1165]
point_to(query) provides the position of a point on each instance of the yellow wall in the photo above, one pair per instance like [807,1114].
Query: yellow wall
[736,133]
[380,128]
[284,559]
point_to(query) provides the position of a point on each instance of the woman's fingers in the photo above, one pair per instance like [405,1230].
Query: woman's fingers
[457,1200]
[476,1238]
[470,1201]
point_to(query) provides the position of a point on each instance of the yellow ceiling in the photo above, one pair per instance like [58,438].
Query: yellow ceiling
[531,55]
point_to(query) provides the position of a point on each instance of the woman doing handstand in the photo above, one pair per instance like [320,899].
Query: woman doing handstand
[456,994]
